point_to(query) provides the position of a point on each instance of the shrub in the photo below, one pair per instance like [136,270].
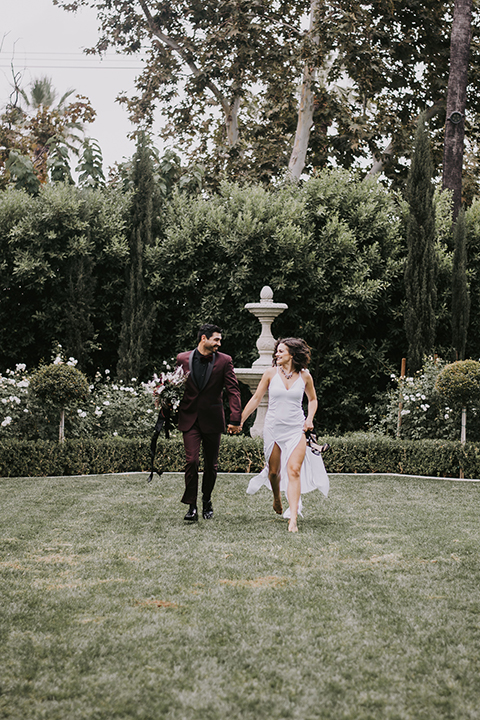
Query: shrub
[14,414]
[61,386]
[424,411]
[354,454]
[433,458]
[113,455]
[459,383]
[109,409]
[116,409]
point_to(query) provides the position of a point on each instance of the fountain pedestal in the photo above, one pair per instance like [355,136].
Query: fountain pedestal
[266,311]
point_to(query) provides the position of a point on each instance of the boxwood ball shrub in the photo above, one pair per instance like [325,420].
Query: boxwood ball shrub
[59,385]
[459,383]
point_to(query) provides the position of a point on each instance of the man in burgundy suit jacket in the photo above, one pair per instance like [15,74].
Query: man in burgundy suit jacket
[201,417]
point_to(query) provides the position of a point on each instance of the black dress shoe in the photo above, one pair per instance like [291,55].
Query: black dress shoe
[207,510]
[192,514]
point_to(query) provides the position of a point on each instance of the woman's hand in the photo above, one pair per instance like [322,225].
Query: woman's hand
[234,429]
[308,425]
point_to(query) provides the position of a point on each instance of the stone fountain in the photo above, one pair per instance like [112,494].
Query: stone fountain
[266,311]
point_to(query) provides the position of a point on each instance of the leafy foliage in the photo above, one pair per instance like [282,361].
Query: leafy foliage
[20,169]
[472,241]
[333,249]
[36,135]
[460,296]
[459,383]
[60,385]
[105,409]
[225,76]
[330,250]
[138,308]
[413,409]
[90,166]
[62,260]
[356,453]
[428,404]
[421,265]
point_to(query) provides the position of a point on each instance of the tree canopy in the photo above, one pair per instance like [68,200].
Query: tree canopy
[226,76]
[37,132]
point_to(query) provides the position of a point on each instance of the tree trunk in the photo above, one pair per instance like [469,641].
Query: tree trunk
[305,110]
[230,109]
[304,125]
[460,295]
[380,163]
[463,434]
[456,100]
[231,121]
[61,429]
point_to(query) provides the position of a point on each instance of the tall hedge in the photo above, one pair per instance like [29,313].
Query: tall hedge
[421,262]
[330,250]
[62,260]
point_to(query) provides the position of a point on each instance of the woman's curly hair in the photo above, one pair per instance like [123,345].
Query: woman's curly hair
[299,351]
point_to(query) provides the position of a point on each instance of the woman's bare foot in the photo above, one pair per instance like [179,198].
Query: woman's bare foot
[277,504]
[277,498]
[292,526]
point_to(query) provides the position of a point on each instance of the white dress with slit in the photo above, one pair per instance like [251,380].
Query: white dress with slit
[284,422]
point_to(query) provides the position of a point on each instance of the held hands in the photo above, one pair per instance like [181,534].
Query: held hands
[234,429]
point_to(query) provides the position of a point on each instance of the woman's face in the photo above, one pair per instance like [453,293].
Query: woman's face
[282,355]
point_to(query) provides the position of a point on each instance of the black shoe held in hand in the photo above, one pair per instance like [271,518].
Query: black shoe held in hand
[313,443]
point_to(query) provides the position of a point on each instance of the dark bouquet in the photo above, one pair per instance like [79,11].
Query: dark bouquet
[169,388]
[168,392]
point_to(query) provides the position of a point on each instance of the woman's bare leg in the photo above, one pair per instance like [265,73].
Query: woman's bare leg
[274,477]
[293,490]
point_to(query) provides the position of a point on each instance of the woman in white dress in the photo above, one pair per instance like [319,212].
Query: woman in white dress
[291,466]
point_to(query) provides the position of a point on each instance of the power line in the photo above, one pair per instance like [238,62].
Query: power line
[75,67]
[63,61]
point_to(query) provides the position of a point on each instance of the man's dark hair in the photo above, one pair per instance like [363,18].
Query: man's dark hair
[208,329]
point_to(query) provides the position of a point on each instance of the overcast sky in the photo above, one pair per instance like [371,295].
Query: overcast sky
[42,39]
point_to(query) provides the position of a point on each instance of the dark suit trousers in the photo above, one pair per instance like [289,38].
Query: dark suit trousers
[192,439]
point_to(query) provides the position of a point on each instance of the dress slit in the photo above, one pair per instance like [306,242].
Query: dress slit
[284,426]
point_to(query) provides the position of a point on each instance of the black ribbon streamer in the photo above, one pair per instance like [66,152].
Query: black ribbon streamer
[164,421]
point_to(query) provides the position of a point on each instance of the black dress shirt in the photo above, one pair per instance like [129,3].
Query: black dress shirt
[199,367]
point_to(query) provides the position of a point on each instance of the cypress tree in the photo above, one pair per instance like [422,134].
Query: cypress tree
[138,311]
[421,264]
[460,295]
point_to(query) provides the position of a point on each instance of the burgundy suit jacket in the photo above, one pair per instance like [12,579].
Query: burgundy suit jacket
[206,406]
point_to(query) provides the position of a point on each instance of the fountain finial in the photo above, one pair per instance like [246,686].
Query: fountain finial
[266,294]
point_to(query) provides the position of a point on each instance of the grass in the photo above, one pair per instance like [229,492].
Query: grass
[112,607]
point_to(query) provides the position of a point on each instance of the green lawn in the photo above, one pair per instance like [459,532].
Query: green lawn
[112,607]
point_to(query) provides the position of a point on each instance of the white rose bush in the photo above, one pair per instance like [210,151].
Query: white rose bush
[14,410]
[424,412]
[111,409]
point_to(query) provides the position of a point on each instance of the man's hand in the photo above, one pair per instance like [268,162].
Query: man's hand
[234,429]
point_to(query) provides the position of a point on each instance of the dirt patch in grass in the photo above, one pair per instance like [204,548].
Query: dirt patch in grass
[269,581]
[152,602]
[57,559]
